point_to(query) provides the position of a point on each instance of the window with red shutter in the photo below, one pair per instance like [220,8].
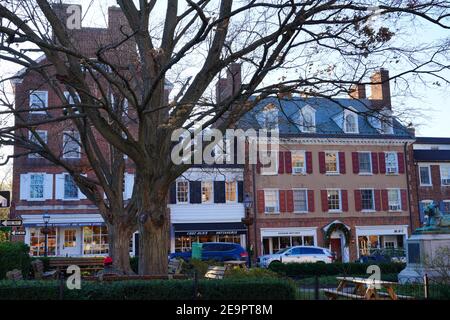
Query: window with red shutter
[401,162]
[260,201]
[324,199]
[342,162]
[280,162]
[358,200]
[309,168]
[384,200]
[377,200]
[355,162]
[290,201]
[322,162]
[288,162]
[344,194]
[311,207]
[374,163]
[382,162]
[282,196]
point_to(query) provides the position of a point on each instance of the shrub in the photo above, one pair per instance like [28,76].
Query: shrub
[240,273]
[14,255]
[226,289]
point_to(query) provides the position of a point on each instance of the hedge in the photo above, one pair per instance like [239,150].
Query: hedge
[225,289]
[330,269]
[14,255]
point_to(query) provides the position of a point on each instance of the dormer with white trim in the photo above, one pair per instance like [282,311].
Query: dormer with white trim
[307,119]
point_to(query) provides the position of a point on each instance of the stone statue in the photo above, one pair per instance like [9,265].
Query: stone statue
[434,220]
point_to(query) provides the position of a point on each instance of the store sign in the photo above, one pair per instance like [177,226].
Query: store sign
[207,233]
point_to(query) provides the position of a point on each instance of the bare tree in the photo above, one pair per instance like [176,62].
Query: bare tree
[316,48]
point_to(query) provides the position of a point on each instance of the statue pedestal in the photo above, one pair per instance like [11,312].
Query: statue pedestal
[422,247]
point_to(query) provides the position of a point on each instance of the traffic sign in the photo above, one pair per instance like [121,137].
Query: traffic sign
[11,223]
[18,233]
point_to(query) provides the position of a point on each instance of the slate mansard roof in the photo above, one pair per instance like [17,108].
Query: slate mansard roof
[327,112]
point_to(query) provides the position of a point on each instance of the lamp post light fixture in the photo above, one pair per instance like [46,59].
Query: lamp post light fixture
[248,221]
[46,231]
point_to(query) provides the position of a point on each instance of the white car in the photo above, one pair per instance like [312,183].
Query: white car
[298,254]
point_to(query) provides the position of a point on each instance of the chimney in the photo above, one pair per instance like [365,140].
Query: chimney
[226,87]
[358,91]
[380,88]
[116,19]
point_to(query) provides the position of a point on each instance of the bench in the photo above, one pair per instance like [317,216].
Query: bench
[399,296]
[14,274]
[134,277]
[334,294]
[91,264]
[39,273]
[215,272]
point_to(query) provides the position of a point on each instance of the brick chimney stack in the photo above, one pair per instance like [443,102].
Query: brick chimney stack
[381,91]
[358,91]
[116,19]
[226,87]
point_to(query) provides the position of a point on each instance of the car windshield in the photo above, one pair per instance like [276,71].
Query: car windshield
[282,250]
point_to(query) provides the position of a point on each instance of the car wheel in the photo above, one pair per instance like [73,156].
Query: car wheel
[274,263]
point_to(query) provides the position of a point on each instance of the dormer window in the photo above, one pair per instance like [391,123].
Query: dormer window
[387,126]
[269,118]
[350,122]
[307,119]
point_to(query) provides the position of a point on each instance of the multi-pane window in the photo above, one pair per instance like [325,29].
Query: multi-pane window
[300,200]
[307,121]
[38,101]
[331,162]
[36,186]
[70,188]
[95,240]
[394,200]
[391,162]
[71,145]
[230,191]
[351,123]
[334,200]
[182,191]
[42,135]
[271,119]
[387,126]
[367,200]
[445,175]
[37,242]
[365,162]
[298,162]
[207,188]
[271,201]
[425,176]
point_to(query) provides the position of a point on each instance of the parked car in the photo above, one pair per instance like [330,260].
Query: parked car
[219,251]
[297,254]
[384,256]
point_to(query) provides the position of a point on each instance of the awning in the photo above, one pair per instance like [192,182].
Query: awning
[203,229]
[62,224]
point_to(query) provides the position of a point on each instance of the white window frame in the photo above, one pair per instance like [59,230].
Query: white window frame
[277,197]
[370,161]
[399,200]
[373,200]
[265,170]
[296,153]
[306,198]
[38,110]
[337,163]
[352,114]
[429,175]
[64,191]
[211,196]
[188,191]
[70,134]
[269,114]
[43,187]
[235,189]
[396,163]
[31,137]
[441,174]
[311,128]
[387,122]
[340,200]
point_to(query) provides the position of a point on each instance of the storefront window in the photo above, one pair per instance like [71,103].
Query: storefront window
[279,243]
[95,240]
[184,243]
[37,242]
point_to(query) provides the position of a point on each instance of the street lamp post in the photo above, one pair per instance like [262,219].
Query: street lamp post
[46,231]
[248,221]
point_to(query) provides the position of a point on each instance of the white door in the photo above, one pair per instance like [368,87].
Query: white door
[70,242]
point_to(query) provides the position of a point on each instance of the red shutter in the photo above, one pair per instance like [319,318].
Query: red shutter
[309,168]
[358,206]
[280,162]
[288,162]
[260,200]
[311,207]
[322,162]
[342,162]
[290,200]
[384,200]
[282,198]
[258,166]
[401,162]
[344,195]
[382,162]
[355,162]
[374,163]
[324,197]
[377,200]
[404,200]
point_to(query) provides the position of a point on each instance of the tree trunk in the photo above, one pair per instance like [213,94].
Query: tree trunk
[119,235]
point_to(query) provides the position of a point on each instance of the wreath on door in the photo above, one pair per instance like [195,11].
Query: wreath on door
[337,227]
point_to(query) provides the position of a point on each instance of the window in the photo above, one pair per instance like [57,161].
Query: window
[207,188]
[271,201]
[331,162]
[391,162]
[334,200]
[95,240]
[307,120]
[300,200]
[37,242]
[70,99]
[394,200]
[36,186]
[365,162]
[70,188]
[71,145]
[182,191]
[298,162]
[271,118]
[230,191]
[387,126]
[42,135]
[38,101]
[446,207]
[367,200]
[445,175]
[350,122]
[425,175]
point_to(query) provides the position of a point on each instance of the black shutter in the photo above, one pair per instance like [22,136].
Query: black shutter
[136,244]
[173,193]
[195,191]
[219,191]
[240,191]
